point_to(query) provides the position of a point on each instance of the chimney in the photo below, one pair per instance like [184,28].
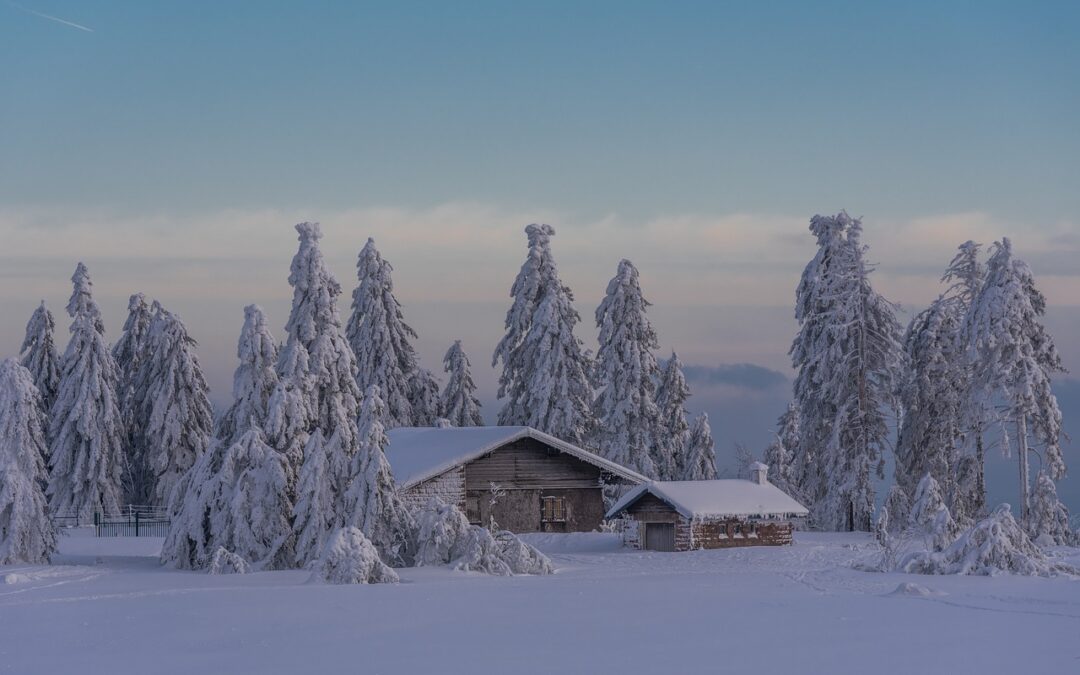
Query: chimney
[759,473]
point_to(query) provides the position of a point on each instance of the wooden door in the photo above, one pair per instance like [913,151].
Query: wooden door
[660,536]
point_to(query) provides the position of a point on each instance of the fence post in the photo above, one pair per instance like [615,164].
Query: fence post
[136,523]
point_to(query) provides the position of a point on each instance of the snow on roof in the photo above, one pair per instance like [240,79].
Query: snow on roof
[419,453]
[715,498]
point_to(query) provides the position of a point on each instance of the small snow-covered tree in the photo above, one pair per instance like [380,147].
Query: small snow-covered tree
[131,352]
[27,534]
[86,432]
[628,425]
[671,395]
[700,455]
[1049,523]
[426,401]
[898,505]
[780,456]
[350,558]
[459,402]
[930,516]
[545,376]
[315,515]
[847,357]
[382,340]
[372,503]
[235,498]
[254,380]
[38,355]
[1014,359]
[179,420]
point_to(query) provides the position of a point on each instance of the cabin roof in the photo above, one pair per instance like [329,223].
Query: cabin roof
[715,498]
[419,453]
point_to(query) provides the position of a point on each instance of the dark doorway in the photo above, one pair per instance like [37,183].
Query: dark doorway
[660,536]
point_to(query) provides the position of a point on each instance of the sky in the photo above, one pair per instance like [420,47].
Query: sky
[171,146]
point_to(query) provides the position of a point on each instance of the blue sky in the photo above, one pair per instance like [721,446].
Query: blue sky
[171,145]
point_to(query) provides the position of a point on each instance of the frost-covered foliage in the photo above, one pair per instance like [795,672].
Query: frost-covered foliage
[372,502]
[426,400]
[1048,522]
[898,506]
[382,340]
[176,408]
[315,515]
[86,432]
[316,362]
[235,497]
[459,403]
[130,353]
[26,531]
[226,562]
[699,460]
[445,537]
[671,395]
[929,516]
[545,377]
[349,558]
[847,357]
[1014,360]
[994,545]
[38,355]
[628,430]
[255,378]
[780,453]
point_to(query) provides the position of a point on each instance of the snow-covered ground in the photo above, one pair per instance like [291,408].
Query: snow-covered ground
[107,607]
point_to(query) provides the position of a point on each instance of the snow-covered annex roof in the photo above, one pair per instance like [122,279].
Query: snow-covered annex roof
[419,453]
[715,498]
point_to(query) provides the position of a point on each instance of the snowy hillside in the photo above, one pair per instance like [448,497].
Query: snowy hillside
[107,606]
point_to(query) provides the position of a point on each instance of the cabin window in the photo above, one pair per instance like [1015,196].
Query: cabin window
[738,529]
[554,510]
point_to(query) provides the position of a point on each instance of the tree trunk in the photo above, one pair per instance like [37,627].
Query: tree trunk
[980,482]
[1021,432]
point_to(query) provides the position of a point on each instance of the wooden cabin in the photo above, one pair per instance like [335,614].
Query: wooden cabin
[526,480]
[688,515]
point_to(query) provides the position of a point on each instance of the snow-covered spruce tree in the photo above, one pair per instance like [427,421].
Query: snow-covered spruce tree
[929,515]
[255,378]
[426,400]
[898,506]
[628,427]
[1048,523]
[381,339]
[671,395]
[131,352]
[545,376]
[26,531]
[459,402]
[847,359]
[86,432]
[700,457]
[234,498]
[1014,358]
[779,455]
[372,503]
[179,419]
[38,355]
[932,398]
[315,514]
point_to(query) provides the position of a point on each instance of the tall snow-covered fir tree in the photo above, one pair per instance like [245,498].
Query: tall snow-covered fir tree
[382,341]
[38,355]
[846,355]
[699,460]
[426,400]
[628,427]
[671,395]
[459,402]
[176,408]
[1014,358]
[316,362]
[255,378]
[545,376]
[86,432]
[131,352]
[27,534]
[372,503]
